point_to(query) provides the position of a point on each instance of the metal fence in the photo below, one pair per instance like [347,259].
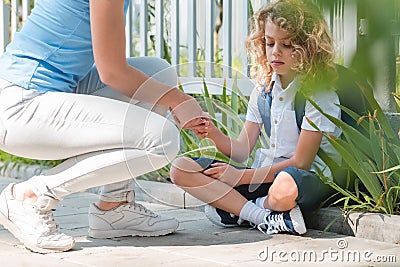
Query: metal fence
[183,31]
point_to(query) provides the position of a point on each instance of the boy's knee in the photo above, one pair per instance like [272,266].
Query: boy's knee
[181,171]
[283,188]
[177,174]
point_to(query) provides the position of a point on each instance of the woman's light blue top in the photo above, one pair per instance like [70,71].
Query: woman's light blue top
[53,51]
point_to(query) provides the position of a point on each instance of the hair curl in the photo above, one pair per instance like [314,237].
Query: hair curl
[309,34]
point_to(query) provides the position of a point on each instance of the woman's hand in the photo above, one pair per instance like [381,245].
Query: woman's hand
[225,173]
[185,110]
[205,128]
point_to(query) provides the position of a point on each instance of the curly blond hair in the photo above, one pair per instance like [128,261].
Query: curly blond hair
[312,43]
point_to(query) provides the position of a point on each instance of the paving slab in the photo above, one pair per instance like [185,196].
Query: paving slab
[197,242]
[17,257]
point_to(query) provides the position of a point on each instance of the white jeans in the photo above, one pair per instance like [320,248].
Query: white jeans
[106,140]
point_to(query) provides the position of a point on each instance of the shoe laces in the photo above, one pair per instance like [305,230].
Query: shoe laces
[274,223]
[141,208]
[47,220]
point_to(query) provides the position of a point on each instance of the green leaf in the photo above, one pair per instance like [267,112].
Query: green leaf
[355,117]
[208,100]
[375,137]
[328,181]
[349,156]
[251,11]
[189,141]
[348,131]
[235,105]
[199,149]
[387,128]
[389,170]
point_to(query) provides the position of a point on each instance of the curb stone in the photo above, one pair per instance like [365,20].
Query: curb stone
[374,226]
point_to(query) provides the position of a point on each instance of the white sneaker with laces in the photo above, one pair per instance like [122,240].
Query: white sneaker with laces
[128,219]
[289,221]
[33,223]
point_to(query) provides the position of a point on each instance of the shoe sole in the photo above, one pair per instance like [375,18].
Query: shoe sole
[121,233]
[10,226]
[212,216]
[298,221]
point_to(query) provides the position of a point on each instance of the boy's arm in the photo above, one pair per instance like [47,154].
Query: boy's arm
[306,150]
[237,149]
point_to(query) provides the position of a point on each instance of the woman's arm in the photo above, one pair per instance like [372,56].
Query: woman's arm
[108,38]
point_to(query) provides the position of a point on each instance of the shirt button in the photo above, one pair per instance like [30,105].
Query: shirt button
[276,121]
[281,99]
[272,145]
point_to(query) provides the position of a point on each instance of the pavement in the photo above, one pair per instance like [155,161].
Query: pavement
[197,242]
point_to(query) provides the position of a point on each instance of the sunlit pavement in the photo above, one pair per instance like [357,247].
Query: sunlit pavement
[196,243]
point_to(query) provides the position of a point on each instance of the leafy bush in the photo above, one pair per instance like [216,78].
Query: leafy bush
[371,153]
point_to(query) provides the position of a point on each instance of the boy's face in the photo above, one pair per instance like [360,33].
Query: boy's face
[279,52]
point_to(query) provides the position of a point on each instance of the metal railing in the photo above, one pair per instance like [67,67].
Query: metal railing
[185,31]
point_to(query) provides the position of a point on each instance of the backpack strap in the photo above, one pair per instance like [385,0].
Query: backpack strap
[299,108]
[264,102]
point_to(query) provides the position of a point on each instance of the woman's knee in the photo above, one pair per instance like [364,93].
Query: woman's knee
[284,188]
[169,141]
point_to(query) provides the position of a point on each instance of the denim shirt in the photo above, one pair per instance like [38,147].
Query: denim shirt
[263,155]
[264,102]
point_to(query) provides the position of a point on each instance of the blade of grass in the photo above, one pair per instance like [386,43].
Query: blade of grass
[235,105]
[208,100]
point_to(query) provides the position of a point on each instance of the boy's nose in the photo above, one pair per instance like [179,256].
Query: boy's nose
[275,50]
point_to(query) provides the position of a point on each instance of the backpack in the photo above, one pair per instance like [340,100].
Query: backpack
[350,96]
[348,87]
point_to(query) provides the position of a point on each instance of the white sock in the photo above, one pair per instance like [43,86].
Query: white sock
[252,213]
[260,201]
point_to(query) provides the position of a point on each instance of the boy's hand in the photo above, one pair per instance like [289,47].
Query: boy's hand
[225,173]
[206,127]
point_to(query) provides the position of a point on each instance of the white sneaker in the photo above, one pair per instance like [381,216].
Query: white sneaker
[129,219]
[33,224]
[289,221]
